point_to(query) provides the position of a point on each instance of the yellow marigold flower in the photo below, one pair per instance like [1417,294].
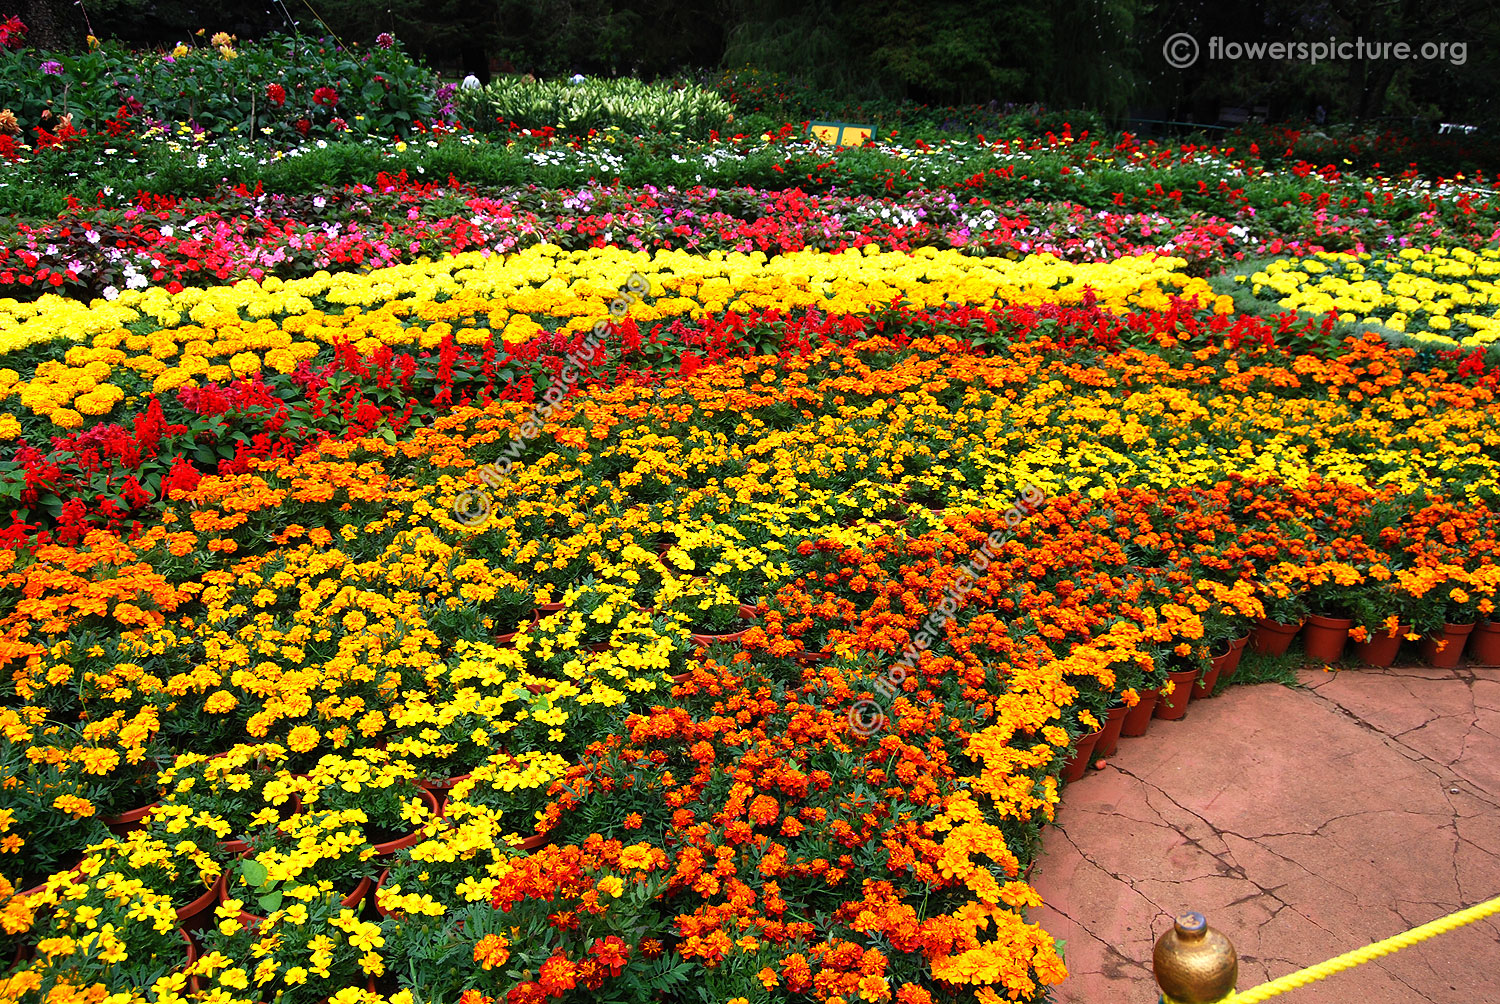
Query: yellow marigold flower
[78,808]
[302,738]
[66,418]
[244,364]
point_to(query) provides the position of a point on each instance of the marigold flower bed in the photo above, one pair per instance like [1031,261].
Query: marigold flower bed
[1439,296]
[295,652]
[219,376]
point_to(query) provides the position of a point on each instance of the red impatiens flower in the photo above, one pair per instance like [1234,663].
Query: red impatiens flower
[277,94]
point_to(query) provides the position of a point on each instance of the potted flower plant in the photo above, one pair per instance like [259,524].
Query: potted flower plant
[247,786]
[311,853]
[308,948]
[1285,605]
[438,875]
[709,612]
[514,787]
[1443,609]
[48,815]
[1227,612]
[512,608]
[1334,590]
[106,932]
[1381,619]
[1140,676]
[397,810]
[181,870]
[1484,642]
[442,741]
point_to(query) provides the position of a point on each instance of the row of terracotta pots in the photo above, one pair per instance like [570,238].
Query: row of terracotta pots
[1324,640]
[128,822]
[1187,685]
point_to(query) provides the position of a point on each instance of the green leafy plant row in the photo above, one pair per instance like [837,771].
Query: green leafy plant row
[625,104]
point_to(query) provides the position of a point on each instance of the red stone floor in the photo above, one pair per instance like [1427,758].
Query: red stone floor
[1303,822]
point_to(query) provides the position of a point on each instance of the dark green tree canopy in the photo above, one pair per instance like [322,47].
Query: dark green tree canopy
[1102,55]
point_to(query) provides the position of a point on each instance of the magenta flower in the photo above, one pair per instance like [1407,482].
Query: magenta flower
[52,67]
[385,40]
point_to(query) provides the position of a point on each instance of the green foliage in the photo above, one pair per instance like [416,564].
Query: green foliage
[764,101]
[231,91]
[1256,667]
[625,104]
[948,51]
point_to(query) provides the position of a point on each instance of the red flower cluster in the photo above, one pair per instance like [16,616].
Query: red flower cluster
[12,33]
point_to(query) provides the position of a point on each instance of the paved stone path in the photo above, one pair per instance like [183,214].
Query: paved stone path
[1303,823]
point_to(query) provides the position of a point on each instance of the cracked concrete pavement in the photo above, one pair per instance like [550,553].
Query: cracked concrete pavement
[1303,823]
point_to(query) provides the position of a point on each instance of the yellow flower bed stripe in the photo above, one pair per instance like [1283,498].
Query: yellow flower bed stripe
[1446,297]
[218,333]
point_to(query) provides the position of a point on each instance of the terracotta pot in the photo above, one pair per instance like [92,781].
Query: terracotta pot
[538,688]
[1232,658]
[899,506]
[534,841]
[1138,718]
[1484,644]
[351,901]
[240,846]
[392,846]
[1109,735]
[746,613]
[437,784]
[1379,649]
[1079,762]
[1204,688]
[1324,638]
[192,956]
[43,884]
[661,559]
[1272,637]
[126,822]
[375,899]
[189,915]
[504,640]
[1452,638]
[1173,706]
[681,678]
[599,646]
[806,658]
[543,609]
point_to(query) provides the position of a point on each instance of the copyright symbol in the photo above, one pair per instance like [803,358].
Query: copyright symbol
[472,507]
[1180,51]
[865,717]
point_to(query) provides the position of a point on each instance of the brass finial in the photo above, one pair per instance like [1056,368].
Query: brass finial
[1193,963]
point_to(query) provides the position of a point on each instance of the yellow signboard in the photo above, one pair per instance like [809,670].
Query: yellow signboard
[841,133]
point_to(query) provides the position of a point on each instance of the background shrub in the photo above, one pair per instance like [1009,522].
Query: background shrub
[681,109]
[282,88]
